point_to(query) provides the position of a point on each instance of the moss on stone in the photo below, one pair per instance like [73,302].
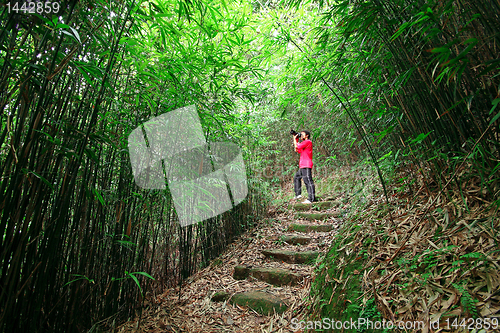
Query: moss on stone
[307,257]
[317,216]
[302,207]
[310,227]
[259,301]
[325,204]
[275,276]
[220,296]
[296,239]
[292,257]
[241,272]
[299,227]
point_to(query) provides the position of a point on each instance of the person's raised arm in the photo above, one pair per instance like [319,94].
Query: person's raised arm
[295,141]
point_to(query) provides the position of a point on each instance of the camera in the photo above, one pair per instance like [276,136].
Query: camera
[292,132]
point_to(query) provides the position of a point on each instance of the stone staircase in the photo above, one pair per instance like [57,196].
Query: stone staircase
[324,217]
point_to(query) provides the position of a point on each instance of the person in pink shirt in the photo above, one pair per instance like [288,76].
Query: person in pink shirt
[305,166]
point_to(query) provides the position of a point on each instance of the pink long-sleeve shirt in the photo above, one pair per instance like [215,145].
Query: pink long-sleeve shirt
[305,149]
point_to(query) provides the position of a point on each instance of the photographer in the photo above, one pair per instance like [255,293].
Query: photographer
[305,165]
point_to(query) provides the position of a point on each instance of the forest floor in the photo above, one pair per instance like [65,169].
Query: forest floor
[430,255]
[192,309]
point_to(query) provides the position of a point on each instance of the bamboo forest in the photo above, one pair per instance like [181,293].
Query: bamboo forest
[250,166]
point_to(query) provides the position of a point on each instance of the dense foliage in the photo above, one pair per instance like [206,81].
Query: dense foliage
[413,83]
[410,86]
[80,241]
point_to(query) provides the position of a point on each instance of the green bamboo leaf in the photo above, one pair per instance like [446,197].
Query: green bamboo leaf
[146,73]
[212,13]
[135,280]
[95,71]
[127,244]
[91,154]
[495,104]
[385,156]
[49,137]
[440,50]
[225,6]
[472,42]
[400,30]
[77,35]
[80,277]
[461,71]
[492,64]
[85,74]
[45,20]
[385,132]
[233,42]
[145,274]
[99,196]
[45,181]
[421,137]
[69,34]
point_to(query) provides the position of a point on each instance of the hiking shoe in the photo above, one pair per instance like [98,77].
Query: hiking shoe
[306,201]
[298,196]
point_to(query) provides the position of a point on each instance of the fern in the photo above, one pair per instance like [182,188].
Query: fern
[370,312]
[474,255]
[467,301]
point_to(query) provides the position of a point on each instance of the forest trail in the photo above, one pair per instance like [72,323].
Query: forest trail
[230,295]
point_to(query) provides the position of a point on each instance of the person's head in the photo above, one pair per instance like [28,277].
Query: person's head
[304,135]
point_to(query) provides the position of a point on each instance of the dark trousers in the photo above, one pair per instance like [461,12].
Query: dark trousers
[306,175]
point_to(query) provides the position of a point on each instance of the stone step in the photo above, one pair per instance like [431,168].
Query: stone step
[263,303]
[292,257]
[321,205]
[220,296]
[296,239]
[274,276]
[334,198]
[310,227]
[318,216]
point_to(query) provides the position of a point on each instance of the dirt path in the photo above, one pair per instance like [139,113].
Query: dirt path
[236,310]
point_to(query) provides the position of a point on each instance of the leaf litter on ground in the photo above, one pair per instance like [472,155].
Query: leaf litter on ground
[434,260]
[191,308]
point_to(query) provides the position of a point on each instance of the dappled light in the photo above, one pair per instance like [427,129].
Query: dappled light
[147,165]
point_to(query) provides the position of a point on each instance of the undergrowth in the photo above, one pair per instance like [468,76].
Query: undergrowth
[434,259]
